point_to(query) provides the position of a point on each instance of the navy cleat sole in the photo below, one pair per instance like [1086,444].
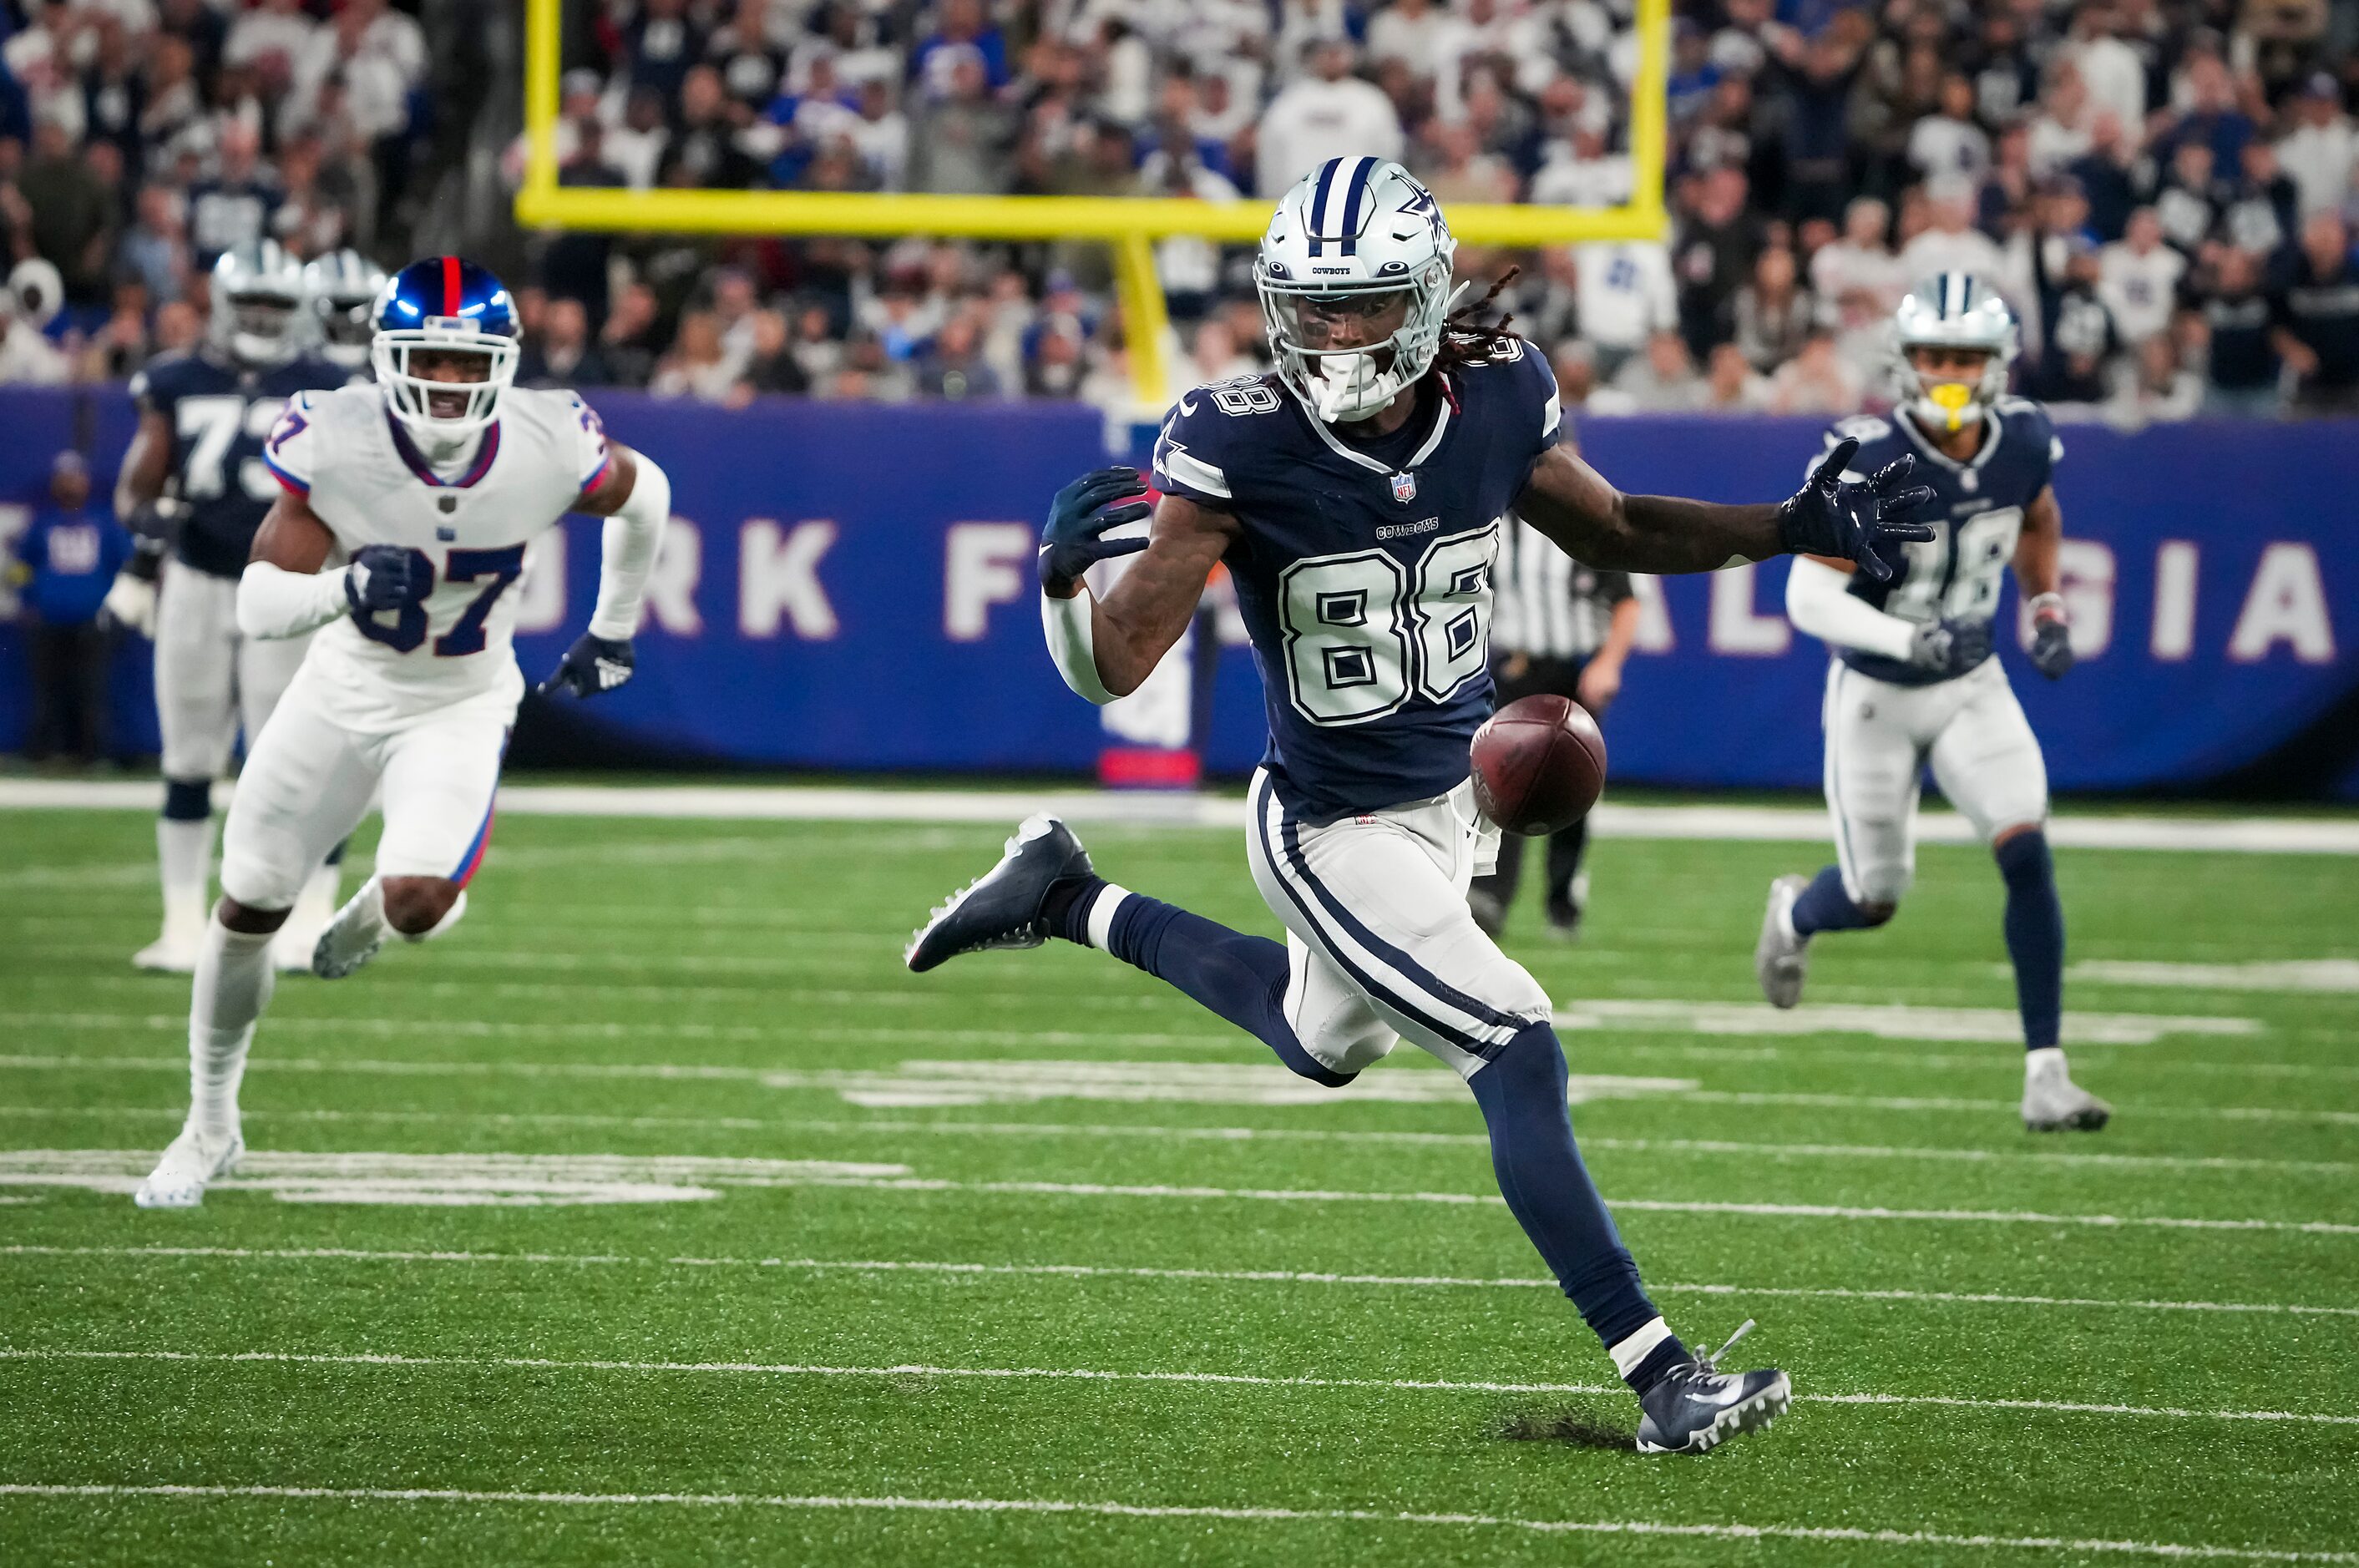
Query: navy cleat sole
[1002,909]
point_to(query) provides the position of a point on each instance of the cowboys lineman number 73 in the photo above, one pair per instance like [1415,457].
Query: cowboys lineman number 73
[1913,680]
[402,524]
[1355,498]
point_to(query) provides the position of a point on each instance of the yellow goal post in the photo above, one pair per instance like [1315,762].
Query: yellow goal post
[1130,225]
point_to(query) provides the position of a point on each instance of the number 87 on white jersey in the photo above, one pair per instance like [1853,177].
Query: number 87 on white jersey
[467,521]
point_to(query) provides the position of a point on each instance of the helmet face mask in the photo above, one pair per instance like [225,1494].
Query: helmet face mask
[444,349]
[1955,342]
[1355,283]
[257,302]
[343,290]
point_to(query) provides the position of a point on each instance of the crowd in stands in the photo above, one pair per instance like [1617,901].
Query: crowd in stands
[140,138]
[2164,188]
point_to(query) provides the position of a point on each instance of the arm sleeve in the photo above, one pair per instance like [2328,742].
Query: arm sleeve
[292,447]
[1819,600]
[628,552]
[274,603]
[1066,623]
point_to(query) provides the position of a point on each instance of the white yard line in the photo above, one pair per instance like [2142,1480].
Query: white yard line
[996,808]
[24,1061]
[1094,1375]
[1091,1271]
[1912,1539]
[111,1170]
[2032,1162]
[2326,975]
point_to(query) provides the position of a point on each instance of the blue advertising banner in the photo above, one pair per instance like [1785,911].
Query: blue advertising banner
[851,587]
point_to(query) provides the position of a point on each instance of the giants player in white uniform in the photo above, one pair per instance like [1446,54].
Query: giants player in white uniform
[408,506]
[1913,680]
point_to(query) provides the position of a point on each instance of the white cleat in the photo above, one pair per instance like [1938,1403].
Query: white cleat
[179,1180]
[2059,1105]
[173,953]
[1781,959]
[354,937]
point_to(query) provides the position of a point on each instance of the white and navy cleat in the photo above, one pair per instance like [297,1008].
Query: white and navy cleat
[1002,908]
[1697,1407]
[2057,1104]
[192,1161]
[1781,959]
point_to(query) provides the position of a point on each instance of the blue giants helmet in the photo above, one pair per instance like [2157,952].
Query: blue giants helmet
[443,305]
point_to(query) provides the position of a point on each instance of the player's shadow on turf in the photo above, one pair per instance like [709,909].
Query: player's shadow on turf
[1570,1428]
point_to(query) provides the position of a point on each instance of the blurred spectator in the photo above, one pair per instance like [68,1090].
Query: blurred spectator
[236,205]
[26,356]
[1951,143]
[2321,152]
[2138,278]
[962,139]
[1731,384]
[772,366]
[952,366]
[563,353]
[1816,381]
[67,557]
[1774,314]
[1859,270]
[1663,379]
[2152,388]
[698,366]
[1625,295]
[2317,319]
[71,211]
[1327,112]
[2189,198]
[1712,249]
[2242,368]
[2077,333]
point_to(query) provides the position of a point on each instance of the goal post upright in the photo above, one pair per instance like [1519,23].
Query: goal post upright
[1129,224]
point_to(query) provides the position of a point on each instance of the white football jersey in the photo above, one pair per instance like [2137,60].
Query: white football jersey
[368,482]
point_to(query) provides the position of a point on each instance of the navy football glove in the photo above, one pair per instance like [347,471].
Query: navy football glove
[382,577]
[1074,539]
[1827,517]
[2051,640]
[593,664]
[1952,648]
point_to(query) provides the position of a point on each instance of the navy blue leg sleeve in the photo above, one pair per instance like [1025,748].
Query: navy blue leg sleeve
[2035,935]
[1241,977]
[1824,905]
[1522,1093]
[188,799]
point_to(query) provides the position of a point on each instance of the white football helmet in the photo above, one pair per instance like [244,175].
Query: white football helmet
[257,303]
[1953,310]
[343,290]
[1354,237]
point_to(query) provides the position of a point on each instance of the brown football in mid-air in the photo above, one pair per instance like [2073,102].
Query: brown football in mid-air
[1539,765]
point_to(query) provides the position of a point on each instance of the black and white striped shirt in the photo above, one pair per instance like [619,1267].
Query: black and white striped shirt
[1548,605]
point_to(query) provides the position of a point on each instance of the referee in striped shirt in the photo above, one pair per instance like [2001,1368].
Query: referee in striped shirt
[1557,626]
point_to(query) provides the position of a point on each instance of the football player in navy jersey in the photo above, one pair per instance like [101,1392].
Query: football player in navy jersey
[1355,496]
[1912,679]
[203,420]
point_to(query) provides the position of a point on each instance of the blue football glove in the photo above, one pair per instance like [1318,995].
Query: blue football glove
[1952,648]
[382,577]
[1827,517]
[2051,640]
[593,664]
[1074,539]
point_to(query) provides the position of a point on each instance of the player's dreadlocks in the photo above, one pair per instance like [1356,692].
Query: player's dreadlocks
[1466,340]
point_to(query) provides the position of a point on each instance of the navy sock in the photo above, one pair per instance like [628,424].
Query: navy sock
[2035,935]
[1242,978]
[1824,905]
[188,799]
[1522,1093]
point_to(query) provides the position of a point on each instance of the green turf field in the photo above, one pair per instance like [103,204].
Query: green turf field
[679,1223]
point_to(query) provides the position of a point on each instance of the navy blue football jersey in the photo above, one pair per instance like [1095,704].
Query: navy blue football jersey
[1977,512]
[218,415]
[1363,568]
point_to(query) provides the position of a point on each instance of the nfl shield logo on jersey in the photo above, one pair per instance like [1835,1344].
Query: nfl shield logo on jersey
[1404,488]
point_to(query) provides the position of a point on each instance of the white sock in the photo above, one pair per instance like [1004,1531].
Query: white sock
[233,979]
[1100,924]
[184,852]
[2044,1066]
[1630,1351]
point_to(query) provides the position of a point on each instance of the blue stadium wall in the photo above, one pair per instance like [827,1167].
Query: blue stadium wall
[854,593]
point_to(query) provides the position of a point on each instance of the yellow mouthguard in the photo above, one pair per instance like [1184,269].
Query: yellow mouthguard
[1951,398]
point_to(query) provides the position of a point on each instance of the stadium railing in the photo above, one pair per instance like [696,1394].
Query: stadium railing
[1129,225]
